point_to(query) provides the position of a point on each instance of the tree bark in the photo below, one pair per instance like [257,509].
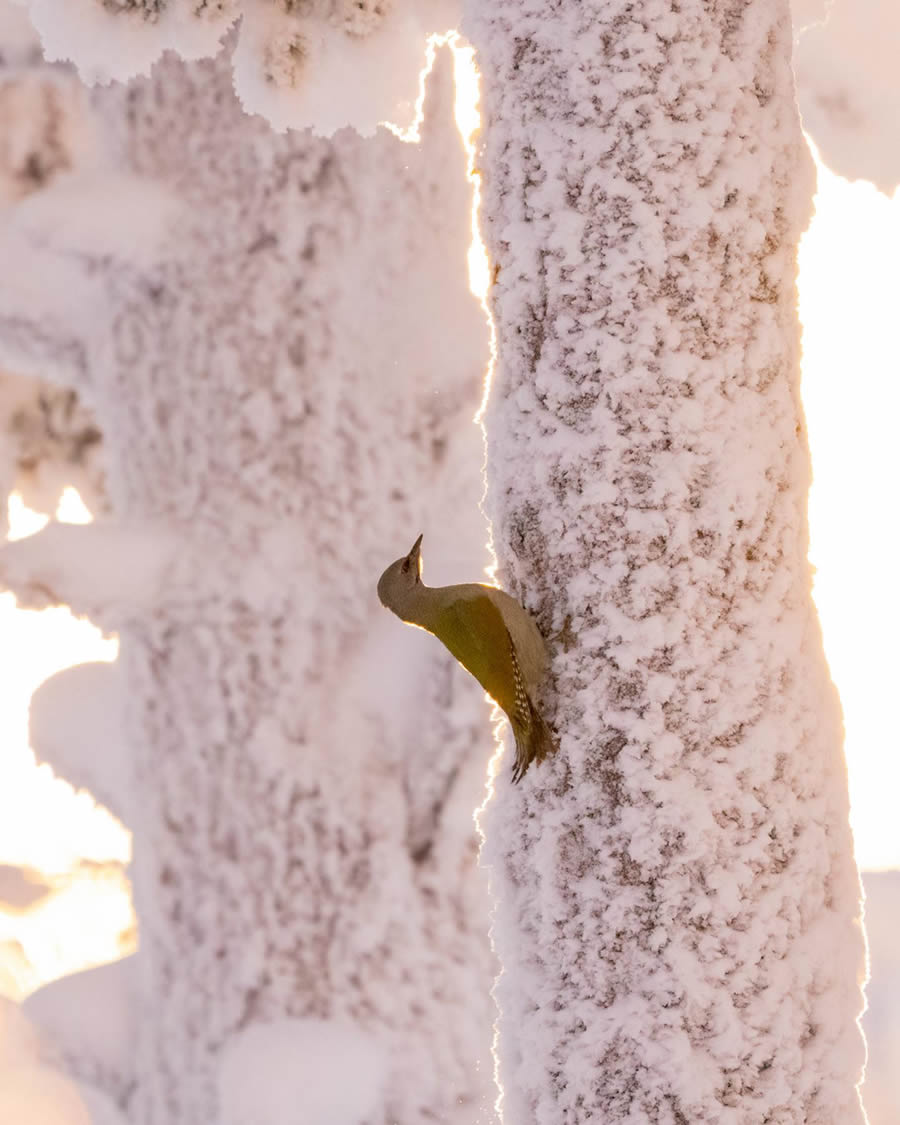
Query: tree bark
[678,907]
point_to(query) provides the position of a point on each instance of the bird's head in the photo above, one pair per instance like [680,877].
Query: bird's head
[401,578]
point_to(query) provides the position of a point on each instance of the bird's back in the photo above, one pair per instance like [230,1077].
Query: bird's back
[530,646]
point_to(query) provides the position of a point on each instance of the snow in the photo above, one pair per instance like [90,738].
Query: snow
[321,65]
[75,725]
[881,1021]
[32,1093]
[301,1072]
[677,904]
[17,32]
[846,68]
[98,212]
[285,393]
[105,571]
[308,72]
[677,912]
[86,1022]
[108,45]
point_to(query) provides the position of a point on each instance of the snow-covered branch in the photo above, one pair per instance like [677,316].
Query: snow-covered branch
[33,1090]
[106,571]
[321,64]
[846,72]
[86,1026]
[75,725]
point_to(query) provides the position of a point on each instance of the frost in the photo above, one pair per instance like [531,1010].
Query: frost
[300,63]
[301,1072]
[285,377]
[295,71]
[678,908]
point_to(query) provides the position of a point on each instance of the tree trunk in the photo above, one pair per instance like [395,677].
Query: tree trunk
[678,907]
[285,371]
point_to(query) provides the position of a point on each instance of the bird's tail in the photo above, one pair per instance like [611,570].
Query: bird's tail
[533,742]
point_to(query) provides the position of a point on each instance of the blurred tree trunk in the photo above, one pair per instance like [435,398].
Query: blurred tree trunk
[678,907]
[277,339]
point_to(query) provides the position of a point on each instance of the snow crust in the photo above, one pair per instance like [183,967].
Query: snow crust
[75,725]
[114,42]
[98,212]
[847,87]
[320,65]
[50,443]
[678,908]
[301,1072]
[33,1093]
[297,71]
[105,571]
[286,396]
[86,1023]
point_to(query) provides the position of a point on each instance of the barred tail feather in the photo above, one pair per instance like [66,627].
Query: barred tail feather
[533,742]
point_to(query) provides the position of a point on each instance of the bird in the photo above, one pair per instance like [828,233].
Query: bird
[490,634]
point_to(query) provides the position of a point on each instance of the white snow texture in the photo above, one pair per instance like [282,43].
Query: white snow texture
[284,373]
[322,64]
[75,725]
[301,1072]
[33,1093]
[678,908]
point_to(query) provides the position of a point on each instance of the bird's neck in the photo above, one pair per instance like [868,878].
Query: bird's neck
[421,606]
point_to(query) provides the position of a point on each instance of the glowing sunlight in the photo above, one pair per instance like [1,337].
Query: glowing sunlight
[44,823]
[849,292]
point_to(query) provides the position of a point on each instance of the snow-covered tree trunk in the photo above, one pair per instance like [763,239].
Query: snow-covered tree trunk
[278,341]
[677,899]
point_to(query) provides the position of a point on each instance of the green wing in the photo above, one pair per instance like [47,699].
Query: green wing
[474,631]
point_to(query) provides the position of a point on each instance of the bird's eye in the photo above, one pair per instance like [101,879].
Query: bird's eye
[405,567]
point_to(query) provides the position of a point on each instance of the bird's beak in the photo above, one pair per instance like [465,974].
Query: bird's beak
[414,556]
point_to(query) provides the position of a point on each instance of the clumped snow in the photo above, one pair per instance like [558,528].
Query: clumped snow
[115,41]
[285,391]
[75,726]
[301,1072]
[86,1023]
[106,571]
[678,908]
[33,1093]
[50,443]
[847,88]
[320,65]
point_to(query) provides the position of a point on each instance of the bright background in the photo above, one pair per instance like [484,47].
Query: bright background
[850,309]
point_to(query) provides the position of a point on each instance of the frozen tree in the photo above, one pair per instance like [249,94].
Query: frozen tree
[278,344]
[678,907]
